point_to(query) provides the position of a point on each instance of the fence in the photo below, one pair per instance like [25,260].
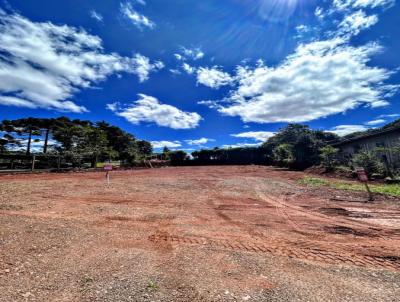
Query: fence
[13,163]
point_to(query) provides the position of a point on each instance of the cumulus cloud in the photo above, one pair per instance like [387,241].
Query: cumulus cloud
[143,67]
[356,22]
[43,65]
[260,136]
[199,142]
[213,77]
[148,109]
[135,17]
[97,16]
[343,130]
[320,79]
[168,144]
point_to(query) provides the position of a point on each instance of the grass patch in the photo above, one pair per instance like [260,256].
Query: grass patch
[152,285]
[388,189]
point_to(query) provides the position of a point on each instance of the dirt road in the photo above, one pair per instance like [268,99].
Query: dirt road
[194,234]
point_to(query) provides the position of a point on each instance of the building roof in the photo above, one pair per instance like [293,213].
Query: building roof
[391,128]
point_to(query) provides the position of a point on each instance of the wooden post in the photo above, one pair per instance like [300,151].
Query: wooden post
[108,177]
[370,197]
[363,177]
[33,162]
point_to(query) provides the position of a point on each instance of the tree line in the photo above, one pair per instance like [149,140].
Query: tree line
[72,139]
[294,146]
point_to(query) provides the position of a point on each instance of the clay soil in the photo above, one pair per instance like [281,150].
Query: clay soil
[194,234]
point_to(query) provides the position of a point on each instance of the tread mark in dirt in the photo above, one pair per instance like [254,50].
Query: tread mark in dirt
[314,254]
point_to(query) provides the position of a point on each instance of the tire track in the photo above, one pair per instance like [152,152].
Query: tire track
[301,253]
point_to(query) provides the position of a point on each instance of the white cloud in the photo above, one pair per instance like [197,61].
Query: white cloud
[376,122]
[178,56]
[143,67]
[192,53]
[168,144]
[43,65]
[389,115]
[188,69]
[136,18]
[348,4]
[240,145]
[213,77]
[356,22]
[302,28]
[199,142]
[260,136]
[97,16]
[175,71]
[36,146]
[319,13]
[150,110]
[320,79]
[343,130]
[141,2]
[209,104]
[189,54]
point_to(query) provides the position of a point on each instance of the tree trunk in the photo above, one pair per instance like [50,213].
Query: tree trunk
[46,141]
[28,150]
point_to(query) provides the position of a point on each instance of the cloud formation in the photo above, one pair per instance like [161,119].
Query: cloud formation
[199,142]
[189,54]
[343,130]
[349,4]
[376,122]
[213,77]
[143,67]
[241,145]
[42,65]
[97,16]
[319,79]
[260,136]
[168,144]
[356,22]
[137,19]
[148,109]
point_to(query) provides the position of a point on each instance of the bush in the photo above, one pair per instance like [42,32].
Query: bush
[283,155]
[329,157]
[370,162]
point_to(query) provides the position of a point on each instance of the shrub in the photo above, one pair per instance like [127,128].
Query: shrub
[283,155]
[370,162]
[329,157]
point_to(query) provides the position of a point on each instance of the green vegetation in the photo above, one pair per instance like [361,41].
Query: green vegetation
[389,189]
[329,157]
[370,161]
[152,285]
[74,140]
[297,146]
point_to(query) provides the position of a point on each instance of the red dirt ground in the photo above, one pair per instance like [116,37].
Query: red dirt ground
[194,234]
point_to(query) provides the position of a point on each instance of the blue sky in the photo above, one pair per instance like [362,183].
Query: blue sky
[190,74]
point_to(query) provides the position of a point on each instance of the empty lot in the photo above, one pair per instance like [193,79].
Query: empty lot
[194,234]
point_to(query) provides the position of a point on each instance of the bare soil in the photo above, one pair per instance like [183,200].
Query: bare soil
[236,233]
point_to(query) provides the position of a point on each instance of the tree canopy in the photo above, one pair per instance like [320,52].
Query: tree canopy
[98,141]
